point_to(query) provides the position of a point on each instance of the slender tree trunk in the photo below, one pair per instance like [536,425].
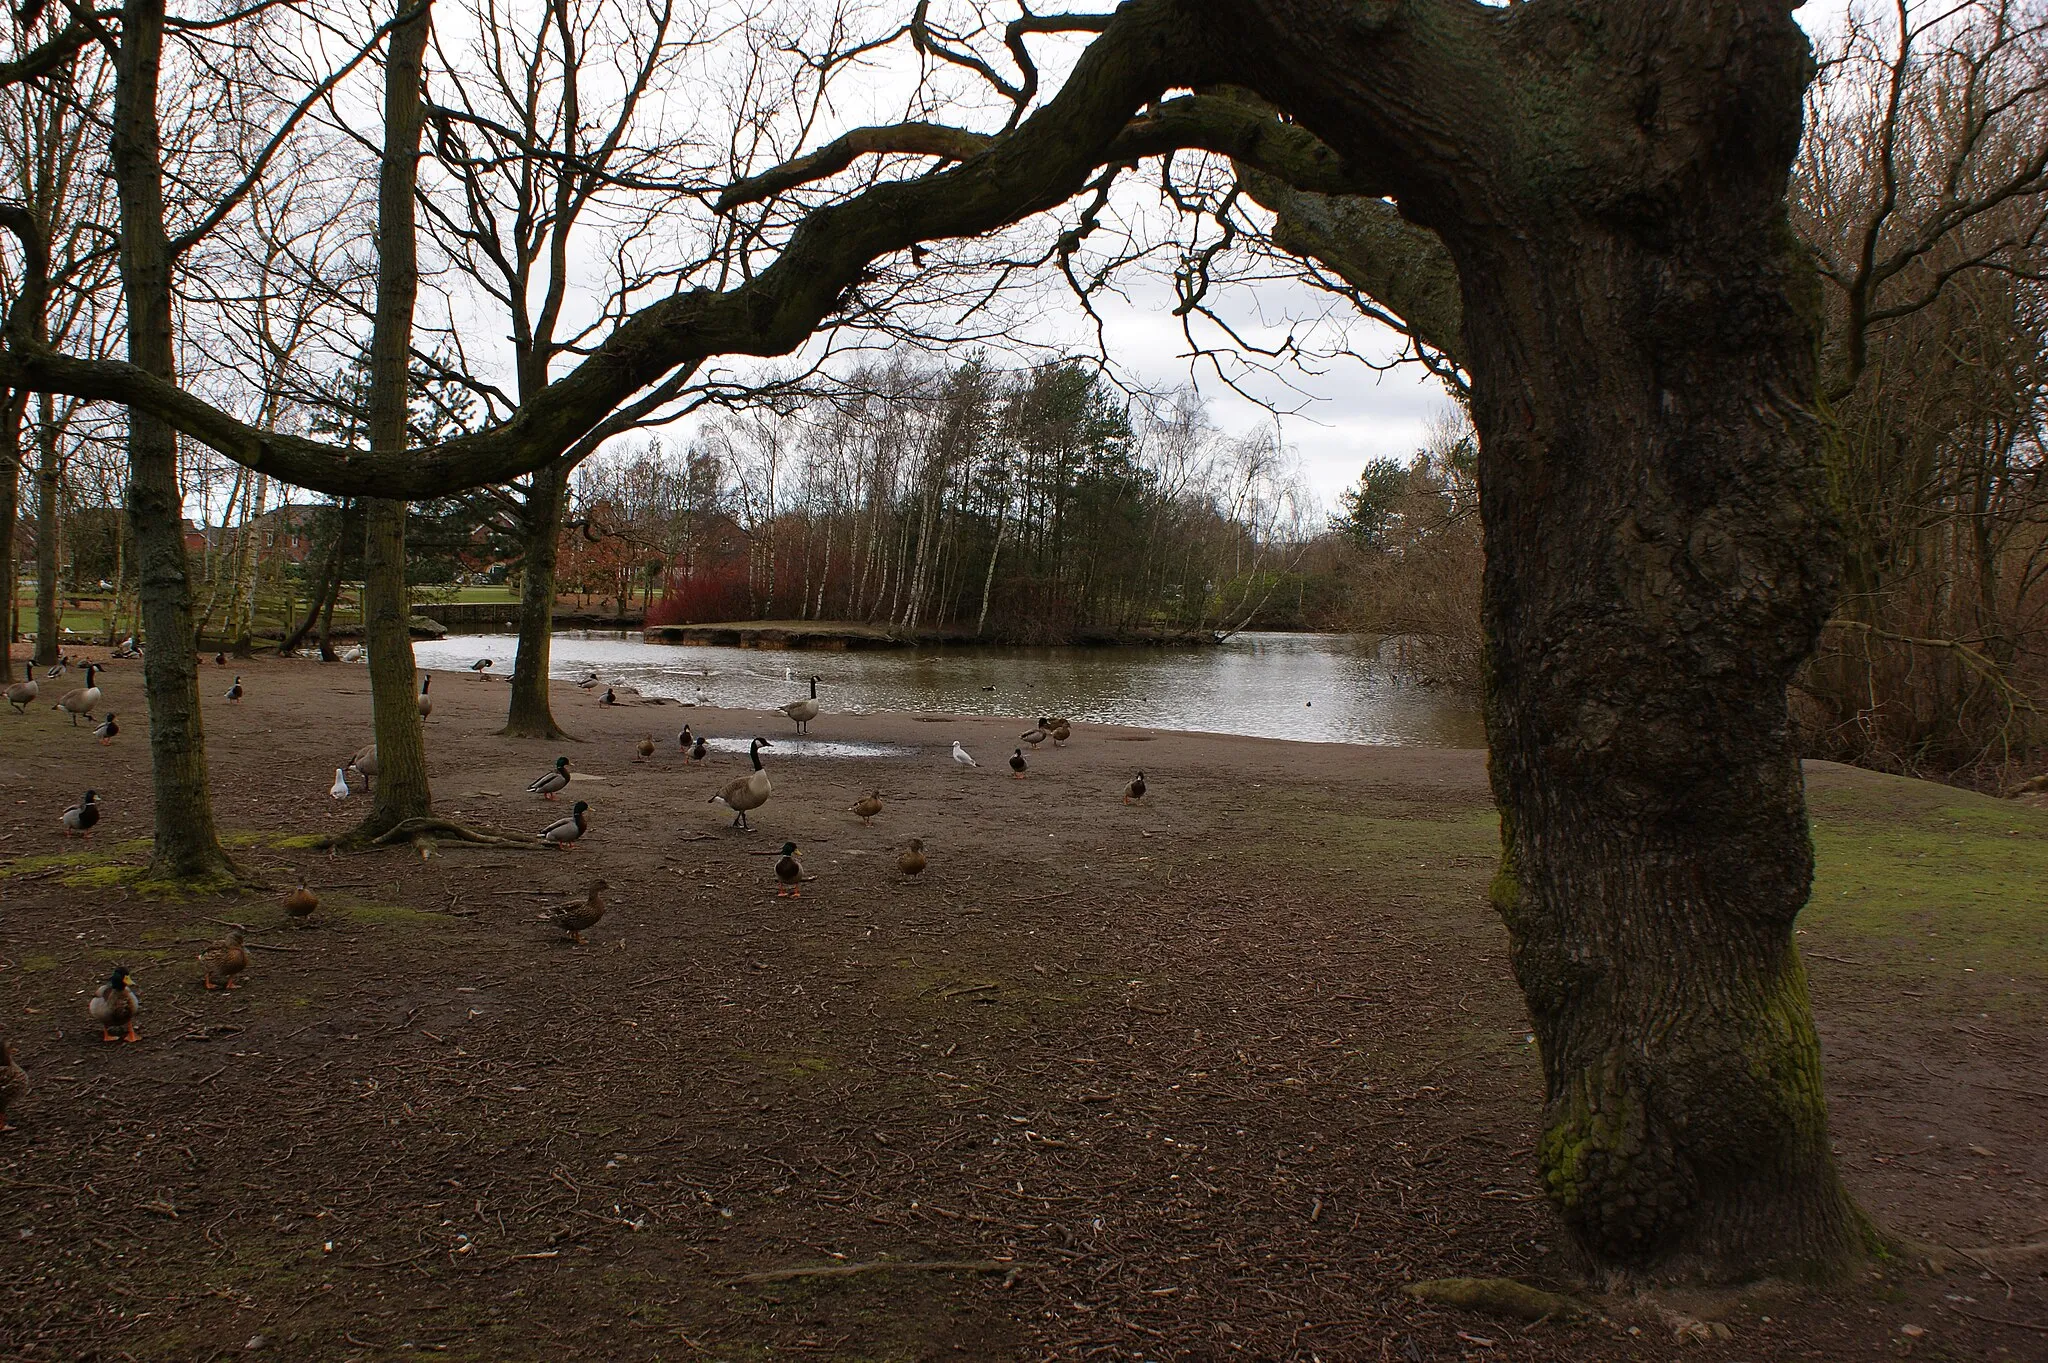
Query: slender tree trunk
[187,847]
[49,517]
[11,464]
[322,595]
[530,715]
[401,789]
[988,580]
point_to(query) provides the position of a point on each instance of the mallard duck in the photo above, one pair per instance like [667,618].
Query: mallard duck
[58,668]
[912,862]
[685,741]
[803,711]
[558,779]
[789,873]
[1038,735]
[234,693]
[608,698]
[82,817]
[587,680]
[24,691]
[582,914]
[751,791]
[128,648]
[115,1005]
[82,701]
[867,806]
[481,666]
[1018,765]
[563,833]
[426,702]
[13,1081]
[646,746]
[960,755]
[1136,789]
[220,660]
[223,961]
[364,763]
[107,730]
[339,790]
[697,749]
[300,903]
[1061,732]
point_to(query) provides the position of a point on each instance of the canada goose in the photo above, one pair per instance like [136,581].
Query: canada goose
[84,699]
[223,961]
[803,711]
[789,873]
[558,779]
[867,806]
[82,817]
[960,755]
[912,862]
[24,691]
[13,1081]
[563,833]
[426,702]
[1135,790]
[364,763]
[300,903]
[115,1005]
[750,791]
[234,693]
[1038,735]
[481,666]
[646,746]
[105,733]
[1018,764]
[580,915]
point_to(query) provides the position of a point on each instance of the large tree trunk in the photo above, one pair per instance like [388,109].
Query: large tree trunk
[1660,559]
[401,788]
[12,413]
[530,715]
[187,847]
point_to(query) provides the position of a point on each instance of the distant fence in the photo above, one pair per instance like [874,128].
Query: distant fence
[465,616]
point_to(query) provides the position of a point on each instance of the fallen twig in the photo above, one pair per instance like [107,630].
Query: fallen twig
[780,1275]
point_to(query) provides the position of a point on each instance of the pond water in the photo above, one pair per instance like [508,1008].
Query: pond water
[1319,687]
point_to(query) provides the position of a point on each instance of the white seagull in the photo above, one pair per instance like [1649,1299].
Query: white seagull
[960,755]
[339,790]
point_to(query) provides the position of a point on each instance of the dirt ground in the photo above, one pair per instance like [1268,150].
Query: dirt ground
[1209,1077]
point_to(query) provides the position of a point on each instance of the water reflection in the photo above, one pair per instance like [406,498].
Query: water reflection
[1319,687]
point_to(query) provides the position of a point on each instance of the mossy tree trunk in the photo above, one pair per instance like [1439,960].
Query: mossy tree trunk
[401,789]
[1660,559]
[540,526]
[187,846]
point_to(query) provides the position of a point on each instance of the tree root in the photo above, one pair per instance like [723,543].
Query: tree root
[781,1275]
[1496,1296]
[423,831]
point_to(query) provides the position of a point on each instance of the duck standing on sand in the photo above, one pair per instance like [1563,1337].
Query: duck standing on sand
[83,817]
[481,666]
[867,806]
[58,668]
[300,903]
[107,730]
[563,833]
[608,698]
[685,741]
[1018,764]
[426,702]
[646,746]
[912,862]
[789,873]
[556,780]
[1038,735]
[13,1081]
[1135,790]
[83,700]
[698,750]
[24,691]
[751,791]
[803,711]
[224,961]
[234,693]
[583,914]
[115,1005]
[1061,732]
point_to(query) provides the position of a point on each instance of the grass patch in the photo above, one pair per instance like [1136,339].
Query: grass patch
[22,866]
[301,841]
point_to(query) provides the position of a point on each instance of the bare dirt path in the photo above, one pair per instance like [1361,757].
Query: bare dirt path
[1207,1077]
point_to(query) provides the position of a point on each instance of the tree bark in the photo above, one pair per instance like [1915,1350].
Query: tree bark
[11,463]
[402,791]
[530,715]
[49,517]
[1660,559]
[187,847]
